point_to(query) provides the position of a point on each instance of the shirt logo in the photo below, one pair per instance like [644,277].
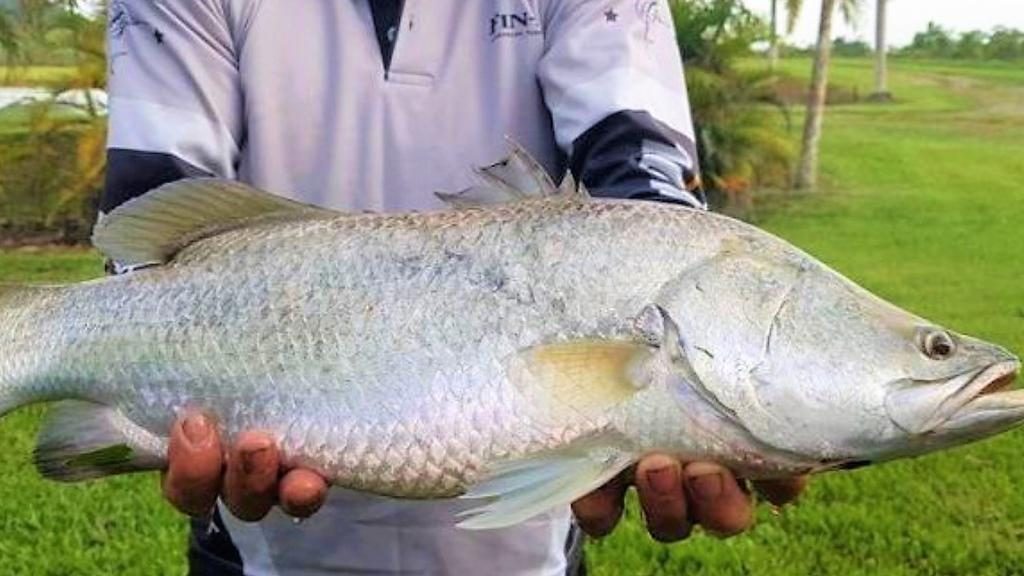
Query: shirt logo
[649,12]
[514,24]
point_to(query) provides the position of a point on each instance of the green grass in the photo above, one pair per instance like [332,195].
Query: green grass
[118,526]
[922,202]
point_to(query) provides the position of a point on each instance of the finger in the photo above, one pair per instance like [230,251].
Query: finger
[717,502]
[783,491]
[250,483]
[597,513]
[659,484]
[302,492]
[195,465]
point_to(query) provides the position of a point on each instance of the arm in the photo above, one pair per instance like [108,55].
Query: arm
[613,81]
[176,111]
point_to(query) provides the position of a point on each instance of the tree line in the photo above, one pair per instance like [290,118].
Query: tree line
[936,42]
[1001,43]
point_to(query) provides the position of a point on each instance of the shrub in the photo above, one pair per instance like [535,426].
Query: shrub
[741,143]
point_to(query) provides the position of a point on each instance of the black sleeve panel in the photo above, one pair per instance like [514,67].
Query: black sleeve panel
[630,154]
[132,173]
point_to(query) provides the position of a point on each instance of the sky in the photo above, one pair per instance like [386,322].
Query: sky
[906,17]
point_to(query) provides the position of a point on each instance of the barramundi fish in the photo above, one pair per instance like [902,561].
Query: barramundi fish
[518,350]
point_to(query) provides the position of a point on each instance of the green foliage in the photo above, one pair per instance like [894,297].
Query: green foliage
[843,48]
[24,29]
[740,142]
[937,42]
[712,34]
[52,173]
[53,152]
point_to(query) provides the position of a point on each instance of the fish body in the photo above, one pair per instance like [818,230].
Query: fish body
[519,354]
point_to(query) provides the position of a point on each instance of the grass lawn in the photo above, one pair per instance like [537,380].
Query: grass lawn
[923,202]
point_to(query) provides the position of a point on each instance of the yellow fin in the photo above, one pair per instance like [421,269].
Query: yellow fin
[586,376]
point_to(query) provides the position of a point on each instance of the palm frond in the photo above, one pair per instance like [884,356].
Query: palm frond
[793,9]
[850,9]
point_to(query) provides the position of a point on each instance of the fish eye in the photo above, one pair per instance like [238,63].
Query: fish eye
[938,345]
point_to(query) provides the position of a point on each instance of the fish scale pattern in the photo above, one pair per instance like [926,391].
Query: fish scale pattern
[373,347]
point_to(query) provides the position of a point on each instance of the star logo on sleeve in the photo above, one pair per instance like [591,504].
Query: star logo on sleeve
[610,15]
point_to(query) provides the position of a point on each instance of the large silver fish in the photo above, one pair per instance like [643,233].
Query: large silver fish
[518,354]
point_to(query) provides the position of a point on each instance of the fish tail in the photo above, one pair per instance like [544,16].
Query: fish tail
[78,440]
[16,303]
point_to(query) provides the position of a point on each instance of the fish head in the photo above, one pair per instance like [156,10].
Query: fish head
[810,364]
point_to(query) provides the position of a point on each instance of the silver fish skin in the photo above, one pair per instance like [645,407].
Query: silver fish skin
[518,354]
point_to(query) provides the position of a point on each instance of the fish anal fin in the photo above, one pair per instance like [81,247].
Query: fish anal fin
[151,228]
[518,490]
[83,440]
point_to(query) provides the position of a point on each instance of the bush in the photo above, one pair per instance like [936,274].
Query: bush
[52,153]
[52,175]
[741,143]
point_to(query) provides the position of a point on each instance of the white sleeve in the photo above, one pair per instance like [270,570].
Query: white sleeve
[174,83]
[606,57]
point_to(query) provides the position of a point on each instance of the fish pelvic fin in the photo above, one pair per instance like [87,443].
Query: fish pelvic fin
[152,228]
[14,299]
[517,490]
[82,441]
[515,178]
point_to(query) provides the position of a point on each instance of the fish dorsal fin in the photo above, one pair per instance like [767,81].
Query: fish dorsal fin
[518,177]
[153,227]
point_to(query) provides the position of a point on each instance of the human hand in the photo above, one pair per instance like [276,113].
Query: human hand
[248,476]
[675,496]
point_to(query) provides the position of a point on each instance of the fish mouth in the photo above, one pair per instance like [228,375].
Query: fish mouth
[987,404]
[999,384]
[926,407]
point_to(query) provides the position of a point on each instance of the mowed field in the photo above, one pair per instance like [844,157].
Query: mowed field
[922,202]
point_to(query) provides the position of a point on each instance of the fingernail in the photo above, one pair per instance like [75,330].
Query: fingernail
[664,481]
[256,459]
[197,430]
[706,486]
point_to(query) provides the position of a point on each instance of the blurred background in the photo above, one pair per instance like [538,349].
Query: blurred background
[886,137]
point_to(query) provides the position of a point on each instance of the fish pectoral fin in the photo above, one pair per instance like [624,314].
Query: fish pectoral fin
[518,490]
[153,227]
[83,440]
[517,177]
[583,377]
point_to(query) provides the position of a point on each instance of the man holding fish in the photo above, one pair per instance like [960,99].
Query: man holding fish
[372,105]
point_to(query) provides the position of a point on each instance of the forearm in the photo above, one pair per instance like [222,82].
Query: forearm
[630,154]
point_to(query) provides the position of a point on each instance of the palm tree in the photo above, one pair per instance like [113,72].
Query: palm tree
[881,55]
[807,170]
[793,8]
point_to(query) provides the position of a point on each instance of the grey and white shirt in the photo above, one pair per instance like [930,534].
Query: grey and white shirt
[374,105]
